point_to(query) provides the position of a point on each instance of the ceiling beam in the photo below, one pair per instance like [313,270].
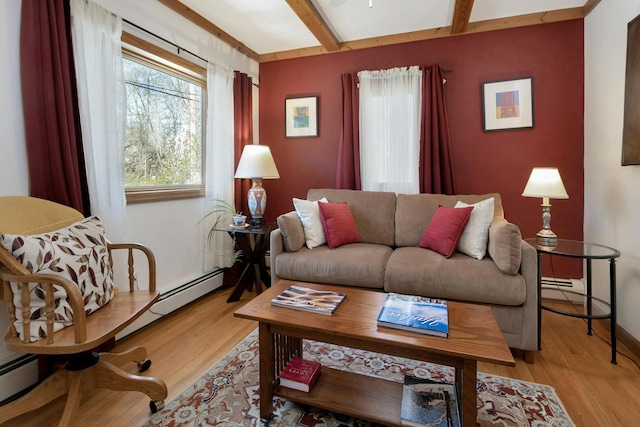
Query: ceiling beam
[461,15]
[310,16]
[588,6]
[203,23]
[474,27]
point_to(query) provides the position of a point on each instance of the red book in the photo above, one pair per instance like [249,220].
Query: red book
[300,374]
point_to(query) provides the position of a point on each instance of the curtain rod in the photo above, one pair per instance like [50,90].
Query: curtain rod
[180,48]
[164,40]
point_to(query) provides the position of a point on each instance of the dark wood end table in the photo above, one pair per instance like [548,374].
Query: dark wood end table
[253,241]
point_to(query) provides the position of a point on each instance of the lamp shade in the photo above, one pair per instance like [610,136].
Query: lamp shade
[256,162]
[545,182]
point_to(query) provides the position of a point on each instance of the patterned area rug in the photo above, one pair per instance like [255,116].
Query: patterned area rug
[228,394]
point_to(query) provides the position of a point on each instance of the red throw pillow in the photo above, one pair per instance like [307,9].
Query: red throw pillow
[338,224]
[445,229]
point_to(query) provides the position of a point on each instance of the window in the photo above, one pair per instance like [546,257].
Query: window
[390,129]
[165,129]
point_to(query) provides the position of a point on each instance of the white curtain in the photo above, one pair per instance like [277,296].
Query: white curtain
[102,101]
[390,129]
[219,161]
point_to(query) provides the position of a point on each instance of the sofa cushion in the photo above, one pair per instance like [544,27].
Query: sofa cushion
[412,270]
[444,231]
[291,230]
[504,245]
[414,212]
[78,253]
[309,214]
[338,224]
[373,212]
[475,236]
[354,264]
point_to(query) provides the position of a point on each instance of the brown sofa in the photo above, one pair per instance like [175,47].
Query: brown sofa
[388,257]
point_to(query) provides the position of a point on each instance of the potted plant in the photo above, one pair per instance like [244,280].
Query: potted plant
[225,214]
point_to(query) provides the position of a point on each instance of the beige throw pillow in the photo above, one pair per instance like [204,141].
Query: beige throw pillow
[292,231]
[504,245]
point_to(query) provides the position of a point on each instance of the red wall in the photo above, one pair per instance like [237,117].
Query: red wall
[484,162]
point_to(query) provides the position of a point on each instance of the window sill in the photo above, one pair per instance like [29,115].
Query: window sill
[157,194]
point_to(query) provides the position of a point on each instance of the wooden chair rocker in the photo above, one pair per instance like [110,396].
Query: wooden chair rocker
[85,370]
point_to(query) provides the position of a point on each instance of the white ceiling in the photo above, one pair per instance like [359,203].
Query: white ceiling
[267,26]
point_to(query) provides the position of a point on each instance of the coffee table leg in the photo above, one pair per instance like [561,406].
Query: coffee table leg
[466,385]
[267,371]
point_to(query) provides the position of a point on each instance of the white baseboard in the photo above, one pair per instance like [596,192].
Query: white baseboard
[22,373]
[554,289]
[18,375]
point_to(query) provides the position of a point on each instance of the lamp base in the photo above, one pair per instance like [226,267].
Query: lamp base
[546,237]
[257,200]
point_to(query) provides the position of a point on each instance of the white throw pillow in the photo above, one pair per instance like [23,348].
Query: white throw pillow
[309,214]
[476,234]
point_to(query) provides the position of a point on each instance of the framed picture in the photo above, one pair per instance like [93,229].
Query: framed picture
[631,123]
[507,104]
[301,117]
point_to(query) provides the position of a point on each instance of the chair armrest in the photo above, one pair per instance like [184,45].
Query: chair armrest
[74,298]
[151,261]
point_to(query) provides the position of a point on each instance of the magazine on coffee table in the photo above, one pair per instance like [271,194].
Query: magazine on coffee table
[314,300]
[416,314]
[429,403]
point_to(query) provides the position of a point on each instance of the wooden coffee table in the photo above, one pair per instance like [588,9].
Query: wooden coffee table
[474,336]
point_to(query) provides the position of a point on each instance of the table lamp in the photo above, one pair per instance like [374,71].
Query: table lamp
[545,183]
[257,163]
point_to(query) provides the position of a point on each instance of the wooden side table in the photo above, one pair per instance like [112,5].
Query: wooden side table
[588,252]
[253,242]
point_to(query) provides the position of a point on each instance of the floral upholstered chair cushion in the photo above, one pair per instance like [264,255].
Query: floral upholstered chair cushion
[77,252]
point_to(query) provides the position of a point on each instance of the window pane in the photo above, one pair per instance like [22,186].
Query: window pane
[163,144]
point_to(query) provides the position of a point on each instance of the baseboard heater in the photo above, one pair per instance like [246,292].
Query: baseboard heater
[22,372]
[553,288]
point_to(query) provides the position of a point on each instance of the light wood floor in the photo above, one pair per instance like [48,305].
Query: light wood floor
[185,344]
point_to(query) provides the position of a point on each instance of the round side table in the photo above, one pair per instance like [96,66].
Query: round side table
[588,252]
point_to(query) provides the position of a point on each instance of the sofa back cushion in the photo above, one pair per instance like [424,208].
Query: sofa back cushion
[373,212]
[414,212]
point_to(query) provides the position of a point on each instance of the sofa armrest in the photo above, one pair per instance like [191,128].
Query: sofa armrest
[529,270]
[276,247]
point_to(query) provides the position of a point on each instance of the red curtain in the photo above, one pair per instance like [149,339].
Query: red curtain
[49,97]
[348,171]
[436,167]
[243,131]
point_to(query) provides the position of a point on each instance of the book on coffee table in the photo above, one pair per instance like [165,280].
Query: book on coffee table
[300,374]
[416,314]
[301,298]
[430,403]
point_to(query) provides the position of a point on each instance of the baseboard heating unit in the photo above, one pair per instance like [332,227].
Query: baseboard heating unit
[554,288]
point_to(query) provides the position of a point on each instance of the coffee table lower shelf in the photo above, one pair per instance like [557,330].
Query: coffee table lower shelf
[352,394]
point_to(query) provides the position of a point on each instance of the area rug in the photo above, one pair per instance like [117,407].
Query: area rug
[228,395]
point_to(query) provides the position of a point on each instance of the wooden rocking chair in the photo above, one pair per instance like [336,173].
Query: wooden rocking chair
[85,369]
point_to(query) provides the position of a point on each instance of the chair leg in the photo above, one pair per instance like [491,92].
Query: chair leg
[79,382]
[113,378]
[48,391]
[135,354]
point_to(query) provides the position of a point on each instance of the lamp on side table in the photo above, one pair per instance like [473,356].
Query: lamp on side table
[257,163]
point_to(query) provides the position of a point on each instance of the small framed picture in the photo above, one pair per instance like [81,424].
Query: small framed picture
[507,104]
[301,117]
